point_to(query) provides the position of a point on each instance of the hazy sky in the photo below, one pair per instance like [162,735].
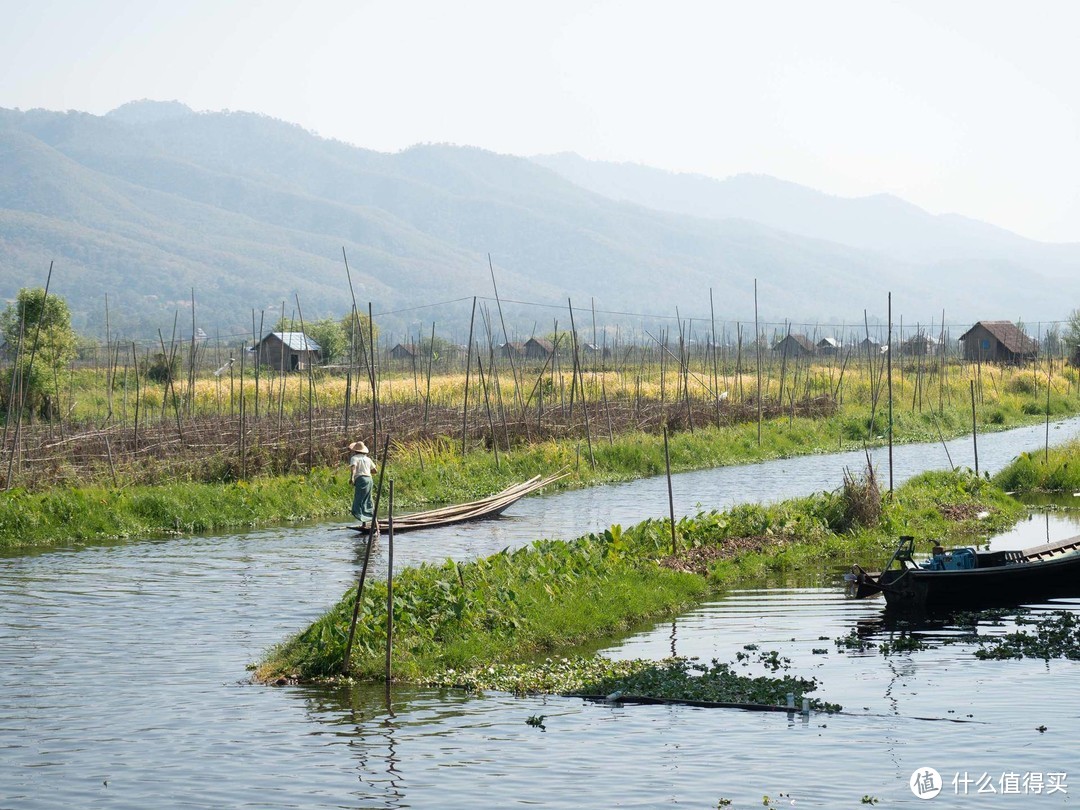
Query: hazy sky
[967,106]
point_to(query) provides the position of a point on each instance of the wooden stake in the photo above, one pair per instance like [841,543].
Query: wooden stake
[390,584]
[888,357]
[468,368]
[974,429]
[757,346]
[367,558]
[670,496]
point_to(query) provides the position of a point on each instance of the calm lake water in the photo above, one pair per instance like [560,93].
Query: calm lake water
[123,682]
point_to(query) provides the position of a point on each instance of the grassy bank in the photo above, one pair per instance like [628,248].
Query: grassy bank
[435,472]
[510,608]
[1057,470]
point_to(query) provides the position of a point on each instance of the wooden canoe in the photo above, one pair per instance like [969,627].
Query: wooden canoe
[482,509]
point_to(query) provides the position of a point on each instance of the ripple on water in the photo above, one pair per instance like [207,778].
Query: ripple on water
[124,664]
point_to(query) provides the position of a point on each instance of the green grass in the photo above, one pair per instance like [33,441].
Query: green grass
[547,598]
[434,473]
[1055,471]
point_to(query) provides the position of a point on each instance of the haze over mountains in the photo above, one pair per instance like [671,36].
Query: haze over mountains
[153,202]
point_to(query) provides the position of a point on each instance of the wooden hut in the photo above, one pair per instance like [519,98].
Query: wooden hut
[512,349]
[287,351]
[998,342]
[538,348]
[829,346]
[405,351]
[920,345]
[795,346]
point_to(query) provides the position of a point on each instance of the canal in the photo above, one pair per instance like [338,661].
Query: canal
[122,670]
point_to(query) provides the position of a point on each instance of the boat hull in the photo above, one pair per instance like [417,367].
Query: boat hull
[917,588]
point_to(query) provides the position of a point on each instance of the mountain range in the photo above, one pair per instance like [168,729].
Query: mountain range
[153,207]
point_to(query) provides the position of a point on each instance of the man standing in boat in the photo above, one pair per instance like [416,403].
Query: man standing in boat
[361,468]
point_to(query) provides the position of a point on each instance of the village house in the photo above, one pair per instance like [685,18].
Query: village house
[920,345]
[795,346]
[287,351]
[829,346]
[512,349]
[405,351]
[869,344]
[538,348]
[998,342]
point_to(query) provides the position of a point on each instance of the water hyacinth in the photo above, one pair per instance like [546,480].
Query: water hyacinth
[677,679]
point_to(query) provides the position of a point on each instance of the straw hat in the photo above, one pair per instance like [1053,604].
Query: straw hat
[358,447]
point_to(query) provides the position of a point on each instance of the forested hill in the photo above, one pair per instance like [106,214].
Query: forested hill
[153,203]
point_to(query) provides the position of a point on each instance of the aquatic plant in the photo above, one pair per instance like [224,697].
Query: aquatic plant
[1052,635]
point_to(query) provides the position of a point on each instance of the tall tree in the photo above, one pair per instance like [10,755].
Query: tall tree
[45,324]
[39,327]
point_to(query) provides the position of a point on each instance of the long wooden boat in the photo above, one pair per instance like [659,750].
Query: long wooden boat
[965,577]
[482,509]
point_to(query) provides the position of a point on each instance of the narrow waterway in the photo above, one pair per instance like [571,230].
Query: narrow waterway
[123,683]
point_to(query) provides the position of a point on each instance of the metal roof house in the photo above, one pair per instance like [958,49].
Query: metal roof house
[288,351]
[998,342]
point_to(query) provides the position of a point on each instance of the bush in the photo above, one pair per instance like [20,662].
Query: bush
[858,504]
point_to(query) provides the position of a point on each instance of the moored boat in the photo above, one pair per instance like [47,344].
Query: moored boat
[964,577]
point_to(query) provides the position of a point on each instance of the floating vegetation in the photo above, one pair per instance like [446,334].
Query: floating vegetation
[1053,635]
[676,679]
[906,642]
[854,641]
[771,659]
[537,721]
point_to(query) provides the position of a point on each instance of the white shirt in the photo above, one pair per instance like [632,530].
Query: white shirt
[361,464]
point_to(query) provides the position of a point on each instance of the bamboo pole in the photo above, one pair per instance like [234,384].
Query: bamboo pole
[671,497]
[108,368]
[468,368]
[487,402]
[888,357]
[374,378]
[427,392]
[367,559]
[389,584]
[757,345]
[240,421]
[138,391]
[715,368]
[509,351]
[974,429]
[311,390]
[169,356]
[1046,450]
[577,367]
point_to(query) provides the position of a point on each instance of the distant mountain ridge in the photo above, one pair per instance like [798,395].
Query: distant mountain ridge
[154,203]
[880,222]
